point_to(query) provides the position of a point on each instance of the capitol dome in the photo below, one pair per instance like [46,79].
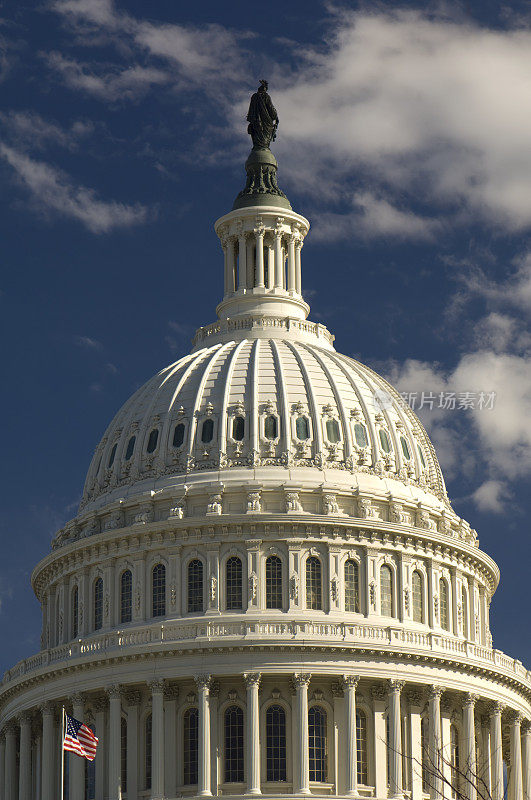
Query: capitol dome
[265,589]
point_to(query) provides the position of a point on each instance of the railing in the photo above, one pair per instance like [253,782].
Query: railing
[393,638]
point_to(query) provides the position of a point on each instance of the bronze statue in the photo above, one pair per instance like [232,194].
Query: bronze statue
[262,118]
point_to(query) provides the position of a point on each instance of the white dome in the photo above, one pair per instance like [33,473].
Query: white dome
[268,405]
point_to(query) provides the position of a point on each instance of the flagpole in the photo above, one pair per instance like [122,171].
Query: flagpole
[63,755]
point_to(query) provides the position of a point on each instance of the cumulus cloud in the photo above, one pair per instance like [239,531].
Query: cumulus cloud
[495,441]
[52,192]
[491,496]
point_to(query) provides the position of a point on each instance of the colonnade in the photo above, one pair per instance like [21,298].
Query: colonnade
[30,748]
[246,256]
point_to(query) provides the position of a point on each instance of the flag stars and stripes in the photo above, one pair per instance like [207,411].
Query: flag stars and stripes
[79,738]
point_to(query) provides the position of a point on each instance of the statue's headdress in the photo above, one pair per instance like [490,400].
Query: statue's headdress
[264,84]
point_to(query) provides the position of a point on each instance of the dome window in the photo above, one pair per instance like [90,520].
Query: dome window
[405,448]
[421,456]
[360,434]
[271,427]
[112,455]
[207,431]
[130,448]
[152,441]
[302,429]
[384,441]
[332,431]
[238,428]
[178,435]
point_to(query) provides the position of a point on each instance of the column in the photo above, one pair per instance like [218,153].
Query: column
[2,763]
[496,751]
[250,263]
[100,710]
[203,687]
[25,773]
[291,263]
[225,266]
[485,770]
[434,742]
[350,682]
[242,261]
[76,763]
[455,601]
[171,693]
[48,752]
[515,781]
[298,277]
[482,616]
[10,775]
[415,699]
[230,269]
[395,739]
[279,258]
[114,746]
[259,236]
[252,682]
[526,758]
[302,778]
[469,737]
[132,701]
[157,738]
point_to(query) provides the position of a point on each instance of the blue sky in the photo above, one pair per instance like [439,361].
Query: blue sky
[405,137]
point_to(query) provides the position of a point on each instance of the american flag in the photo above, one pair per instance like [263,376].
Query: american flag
[79,738]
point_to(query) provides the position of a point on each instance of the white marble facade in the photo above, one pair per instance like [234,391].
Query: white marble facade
[266,589]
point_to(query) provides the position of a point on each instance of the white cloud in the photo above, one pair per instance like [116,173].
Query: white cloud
[27,128]
[88,343]
[53,192]
[491,496]
[112,84]
[495,442]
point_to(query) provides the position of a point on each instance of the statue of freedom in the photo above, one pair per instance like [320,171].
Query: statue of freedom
[262,118]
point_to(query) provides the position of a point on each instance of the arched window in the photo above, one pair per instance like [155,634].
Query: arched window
[238,428]
[417,597]
[384,441]
[276,744]
[75,612]
[332,431]
[405,448]
[302,428]
[126,596]
[130,448]
[207,431]
[158,595]
[443,604]
[421,456]
[273,582]
[195,585]
[123,753]
[152,441]
[360,434]
[317,742]
[191,745]
[313,584]
[98,604]
[361,747]
[148,731]
[178,435]
[234,583]
[464,611]
[454,761]
[112,455]
[352,588]
[234,766]
[271,427]
[386,591]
